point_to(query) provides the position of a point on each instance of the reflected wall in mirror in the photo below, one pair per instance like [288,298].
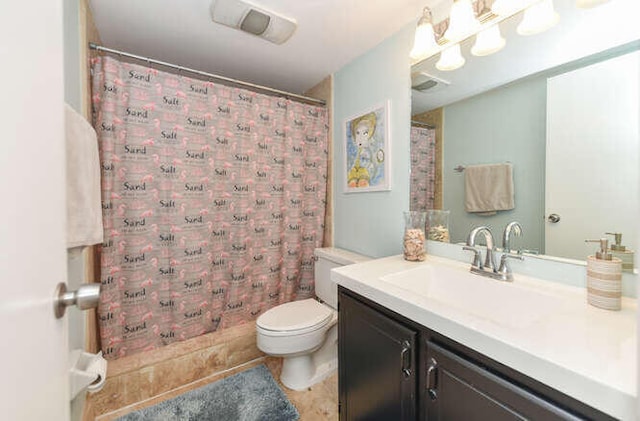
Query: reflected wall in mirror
[521,105]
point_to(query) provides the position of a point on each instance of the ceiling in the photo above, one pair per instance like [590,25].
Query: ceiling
[330,34]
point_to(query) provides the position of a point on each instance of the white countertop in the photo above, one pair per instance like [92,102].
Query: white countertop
[582,351]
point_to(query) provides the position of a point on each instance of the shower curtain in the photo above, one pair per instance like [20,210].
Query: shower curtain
[213,202]
[423,168]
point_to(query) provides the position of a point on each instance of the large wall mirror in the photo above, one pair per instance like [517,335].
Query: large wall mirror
[562,108]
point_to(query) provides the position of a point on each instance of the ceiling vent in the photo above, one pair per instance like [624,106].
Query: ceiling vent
[252,19]
[424,82]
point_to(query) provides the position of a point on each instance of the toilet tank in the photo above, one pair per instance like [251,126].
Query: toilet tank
[327,259]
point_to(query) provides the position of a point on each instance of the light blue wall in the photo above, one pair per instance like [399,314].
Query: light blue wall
[372,223]
[505,124]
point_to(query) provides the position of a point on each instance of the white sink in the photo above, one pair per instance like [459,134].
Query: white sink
[511,304]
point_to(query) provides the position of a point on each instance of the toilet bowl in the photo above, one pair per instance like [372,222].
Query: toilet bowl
[305,333]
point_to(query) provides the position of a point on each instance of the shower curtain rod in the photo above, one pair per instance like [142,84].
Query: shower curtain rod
[278,92]
[421,124]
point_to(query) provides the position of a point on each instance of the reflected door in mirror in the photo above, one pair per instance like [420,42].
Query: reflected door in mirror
[592,155]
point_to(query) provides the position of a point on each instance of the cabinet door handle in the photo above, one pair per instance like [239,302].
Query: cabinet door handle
[432,379]
[405,359]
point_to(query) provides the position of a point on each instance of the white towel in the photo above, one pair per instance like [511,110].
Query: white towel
[488,188]
[84,206]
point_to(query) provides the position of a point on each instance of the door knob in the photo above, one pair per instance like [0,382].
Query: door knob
[85,297]
[554,218]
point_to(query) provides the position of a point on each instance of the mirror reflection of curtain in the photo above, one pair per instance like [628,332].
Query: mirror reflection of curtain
[423,168]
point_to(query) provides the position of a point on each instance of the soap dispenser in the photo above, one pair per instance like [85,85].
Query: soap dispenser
[621,252]
[604,278]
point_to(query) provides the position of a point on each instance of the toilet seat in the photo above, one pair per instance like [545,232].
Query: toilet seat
[294,318]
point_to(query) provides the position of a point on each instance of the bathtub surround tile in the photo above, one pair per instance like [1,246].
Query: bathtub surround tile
[178,349]
[242,348]
[214,359]
[111,396]
[140,377]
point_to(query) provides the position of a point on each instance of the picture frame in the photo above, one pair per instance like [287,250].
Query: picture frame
[367,150]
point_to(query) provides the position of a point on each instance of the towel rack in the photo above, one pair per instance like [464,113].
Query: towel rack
[461,168]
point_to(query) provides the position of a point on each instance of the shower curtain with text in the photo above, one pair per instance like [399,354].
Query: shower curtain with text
[423,168]
[213,202]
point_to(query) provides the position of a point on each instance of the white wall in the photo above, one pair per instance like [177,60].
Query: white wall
[372,223]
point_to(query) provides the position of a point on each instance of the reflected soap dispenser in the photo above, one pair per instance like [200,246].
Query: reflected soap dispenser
[621,252]
[604,278]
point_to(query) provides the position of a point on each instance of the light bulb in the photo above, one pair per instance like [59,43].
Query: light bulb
[462,21]
[450,59]
[538,18]
[488,42]
[425,41]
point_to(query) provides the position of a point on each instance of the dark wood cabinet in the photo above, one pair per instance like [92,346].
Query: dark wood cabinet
[458,389]
[377,370]
[391,368]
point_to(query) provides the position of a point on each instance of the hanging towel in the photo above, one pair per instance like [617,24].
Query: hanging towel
[84,206]
[488,188]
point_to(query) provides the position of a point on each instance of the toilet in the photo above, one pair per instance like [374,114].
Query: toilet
[305,333]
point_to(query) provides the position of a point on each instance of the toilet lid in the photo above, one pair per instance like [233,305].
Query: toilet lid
[295,315]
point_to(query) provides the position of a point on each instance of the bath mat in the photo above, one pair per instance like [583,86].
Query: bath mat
[252,395]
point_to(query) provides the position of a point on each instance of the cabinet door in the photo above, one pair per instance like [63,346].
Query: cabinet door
[458,389]
[377,360]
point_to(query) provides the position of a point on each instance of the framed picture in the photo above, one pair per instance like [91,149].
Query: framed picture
[367,158]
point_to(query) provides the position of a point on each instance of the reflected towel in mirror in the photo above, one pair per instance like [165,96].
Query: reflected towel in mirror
[488,188]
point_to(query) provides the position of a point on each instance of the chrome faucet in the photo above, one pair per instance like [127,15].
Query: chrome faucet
[512,227]
[489,261]
[488,269]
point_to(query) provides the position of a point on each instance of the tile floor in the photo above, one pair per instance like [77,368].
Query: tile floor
[318,403]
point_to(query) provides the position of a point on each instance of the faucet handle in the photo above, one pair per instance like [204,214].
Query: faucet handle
[477,260]
[506,256]
[505,269]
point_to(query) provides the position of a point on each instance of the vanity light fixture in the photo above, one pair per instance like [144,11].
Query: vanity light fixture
[539,15]
[425,40]
[538,18]
[488,41]
[450,59]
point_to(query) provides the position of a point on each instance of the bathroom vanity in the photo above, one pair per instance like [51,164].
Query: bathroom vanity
[431,341]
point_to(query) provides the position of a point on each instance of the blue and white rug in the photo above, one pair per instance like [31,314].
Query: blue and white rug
[252,395]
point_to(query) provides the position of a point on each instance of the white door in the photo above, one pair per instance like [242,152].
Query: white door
[33,349]
[592,156]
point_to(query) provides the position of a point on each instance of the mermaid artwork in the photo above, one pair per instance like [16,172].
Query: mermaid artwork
[366,168]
